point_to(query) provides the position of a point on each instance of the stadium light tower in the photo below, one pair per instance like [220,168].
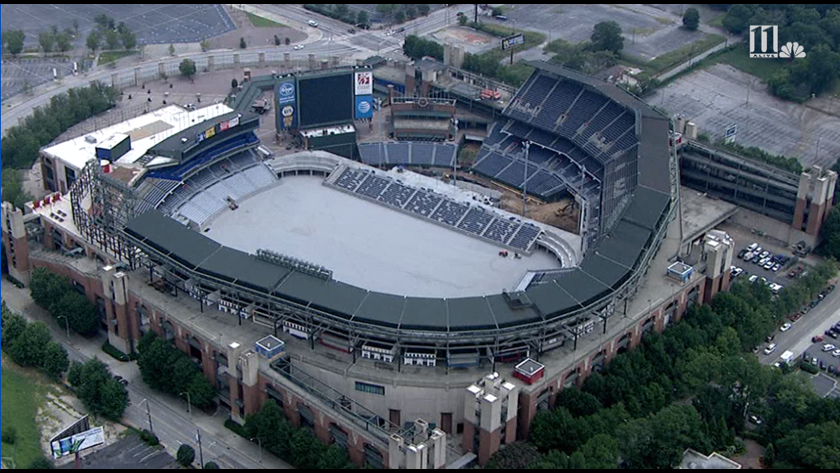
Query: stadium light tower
[525,182]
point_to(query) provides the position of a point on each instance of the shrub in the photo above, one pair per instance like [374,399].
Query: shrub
[9,435]
[185,455]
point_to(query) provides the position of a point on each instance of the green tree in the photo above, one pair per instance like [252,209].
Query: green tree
[14,41]
[93,39]
[185,455]
[129,39]
[578,403]
[47,40]
[211,466]
[607,36]
[81,314]
[63,41]
[234,83]
[187,68]
[242,44]
[205,45]
[423,9]
[769,456]
[97,389]
[737,19]
[55,360]
[171,49]
[29,348]
[362,18]
[112,39]
[462,20]
[691,19]
[399,17]
[515,456]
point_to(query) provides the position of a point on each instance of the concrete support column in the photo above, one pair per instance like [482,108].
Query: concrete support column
[137,79]
[114,83]
[211,61]
[287,61]
[161,69]
[236,62]
[262,59]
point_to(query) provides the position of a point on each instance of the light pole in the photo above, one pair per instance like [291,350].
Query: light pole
[200,451]
[66,324]
[148,413]
[189,404]
[259,442]
[525,182]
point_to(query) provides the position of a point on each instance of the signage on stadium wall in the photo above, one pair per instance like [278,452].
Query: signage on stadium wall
[364,106]
[363,83]
[286,92]
[288,119]
[210,132]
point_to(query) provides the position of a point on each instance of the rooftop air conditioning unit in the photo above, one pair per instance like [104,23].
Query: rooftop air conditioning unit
[90,139]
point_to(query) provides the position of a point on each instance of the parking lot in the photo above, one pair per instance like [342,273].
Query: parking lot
[17,73]
[716,98]
[152,23]
[784,259]
[822,352]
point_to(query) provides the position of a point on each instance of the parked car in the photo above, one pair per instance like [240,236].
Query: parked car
[770,338]
[753,278]
[776,267]
[298,47]
[785,327]
[772,347]
[752,246]
[742,253]
[835,353]
[828,347]
[831,333]
[817,338]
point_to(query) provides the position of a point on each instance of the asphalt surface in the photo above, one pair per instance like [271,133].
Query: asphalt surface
[798,338]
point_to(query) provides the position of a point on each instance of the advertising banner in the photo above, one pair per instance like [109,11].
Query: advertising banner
[364,106]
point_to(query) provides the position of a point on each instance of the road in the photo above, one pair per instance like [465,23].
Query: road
[798,338]
[170,420]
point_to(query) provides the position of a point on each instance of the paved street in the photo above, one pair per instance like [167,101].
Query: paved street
[170,420]
[798,338]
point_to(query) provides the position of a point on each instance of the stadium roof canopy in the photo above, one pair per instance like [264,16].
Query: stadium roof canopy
[618,256]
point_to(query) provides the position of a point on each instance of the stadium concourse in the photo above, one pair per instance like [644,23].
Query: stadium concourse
[385,296]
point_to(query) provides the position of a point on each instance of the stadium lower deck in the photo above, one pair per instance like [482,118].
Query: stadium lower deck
[370,245]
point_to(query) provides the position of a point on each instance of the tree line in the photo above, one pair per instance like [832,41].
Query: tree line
[168,369]
[295,445]
[58,296]
[20,146]
[692,387]
[816,27]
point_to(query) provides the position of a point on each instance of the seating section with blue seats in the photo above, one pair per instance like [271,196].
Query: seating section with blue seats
[426,203]
[408,153]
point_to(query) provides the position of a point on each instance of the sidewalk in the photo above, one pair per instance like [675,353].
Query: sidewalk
[170,418]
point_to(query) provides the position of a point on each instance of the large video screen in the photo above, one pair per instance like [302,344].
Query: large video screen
[325,100]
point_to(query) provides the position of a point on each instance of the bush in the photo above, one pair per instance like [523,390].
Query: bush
[185,455]
[211,466]
[808,368]
[116,353]
[42,463]
[9,435]
[691,19]
[149,438]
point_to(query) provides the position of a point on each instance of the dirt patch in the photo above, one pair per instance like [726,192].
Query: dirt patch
[563,214]
[751,458]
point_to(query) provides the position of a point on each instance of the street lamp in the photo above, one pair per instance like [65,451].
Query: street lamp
[148,413]
[189,404]
[259,442]
[66,324]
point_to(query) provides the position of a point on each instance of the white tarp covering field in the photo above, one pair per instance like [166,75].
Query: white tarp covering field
[369,245]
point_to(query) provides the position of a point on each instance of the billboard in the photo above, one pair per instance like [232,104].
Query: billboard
[363,83]
[287,119]
[511,41]
[286,91]
[87,439]
[364,106]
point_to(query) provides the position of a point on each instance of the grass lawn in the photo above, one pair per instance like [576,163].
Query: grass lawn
[23,392]
[675,57]
[261,22]
[739,58]
[111,56]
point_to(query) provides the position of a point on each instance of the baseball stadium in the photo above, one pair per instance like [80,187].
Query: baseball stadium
[360,283]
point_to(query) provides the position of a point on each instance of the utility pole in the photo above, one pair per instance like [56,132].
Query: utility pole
[189,404]
[200,452]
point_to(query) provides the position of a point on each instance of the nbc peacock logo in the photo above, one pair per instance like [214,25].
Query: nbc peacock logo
[792,50]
